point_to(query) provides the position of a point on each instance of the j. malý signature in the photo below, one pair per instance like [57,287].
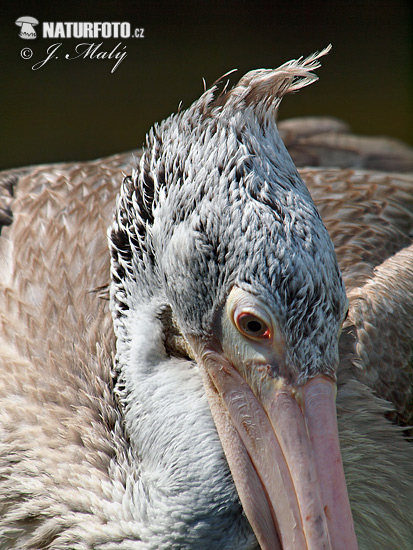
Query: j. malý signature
[86,50]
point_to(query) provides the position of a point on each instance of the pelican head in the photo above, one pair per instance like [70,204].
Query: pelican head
[217,239]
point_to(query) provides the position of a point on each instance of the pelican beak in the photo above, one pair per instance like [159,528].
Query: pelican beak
[281,443]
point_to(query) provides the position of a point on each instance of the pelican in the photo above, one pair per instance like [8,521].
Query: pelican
[198,406]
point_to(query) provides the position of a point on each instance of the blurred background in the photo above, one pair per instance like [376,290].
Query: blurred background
[77,109]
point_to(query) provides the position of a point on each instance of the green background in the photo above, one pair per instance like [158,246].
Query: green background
[74,110]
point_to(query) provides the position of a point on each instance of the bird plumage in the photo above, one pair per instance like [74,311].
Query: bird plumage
[93,455]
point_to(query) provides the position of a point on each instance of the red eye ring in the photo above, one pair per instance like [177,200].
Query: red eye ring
[252,326]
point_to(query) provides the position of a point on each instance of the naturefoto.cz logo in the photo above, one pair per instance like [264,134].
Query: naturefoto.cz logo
[78,31]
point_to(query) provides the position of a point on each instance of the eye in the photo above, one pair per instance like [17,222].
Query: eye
[252,326]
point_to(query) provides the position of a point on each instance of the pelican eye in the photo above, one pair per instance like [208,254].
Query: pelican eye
[252,326]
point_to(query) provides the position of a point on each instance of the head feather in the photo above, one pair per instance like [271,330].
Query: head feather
[267,87]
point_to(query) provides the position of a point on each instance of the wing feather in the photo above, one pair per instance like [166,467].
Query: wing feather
[56,348]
